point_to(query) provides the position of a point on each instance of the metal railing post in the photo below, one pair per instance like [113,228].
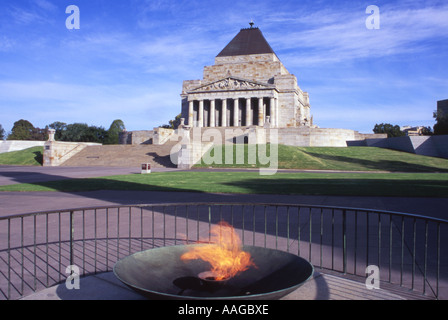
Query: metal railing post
[72,238]
[344,241]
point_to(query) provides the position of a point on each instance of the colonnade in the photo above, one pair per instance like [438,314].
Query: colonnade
[233,112]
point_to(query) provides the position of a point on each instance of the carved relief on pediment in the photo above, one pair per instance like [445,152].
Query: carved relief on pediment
[231,84]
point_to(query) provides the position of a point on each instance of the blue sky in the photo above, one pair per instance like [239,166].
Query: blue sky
[129,58]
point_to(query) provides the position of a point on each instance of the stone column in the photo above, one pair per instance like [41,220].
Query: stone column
[235,112]
[272,112]
[190,113]
[276,113]
[212,113]
[51,133]
[224,113]
[248,117]
[201,114]
[260,112]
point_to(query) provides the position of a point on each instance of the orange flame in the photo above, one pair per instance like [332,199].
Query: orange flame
[224,253]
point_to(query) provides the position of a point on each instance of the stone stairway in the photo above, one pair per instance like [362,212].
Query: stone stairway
[123,156]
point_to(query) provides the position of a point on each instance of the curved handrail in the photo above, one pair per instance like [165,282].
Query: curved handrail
[349,247]
[270,204]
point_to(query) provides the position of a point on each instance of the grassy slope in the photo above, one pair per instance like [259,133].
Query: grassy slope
[350,159]
[310,158]
[416,181]
[28,157]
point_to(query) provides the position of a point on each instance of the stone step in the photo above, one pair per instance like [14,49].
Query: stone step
[123,156]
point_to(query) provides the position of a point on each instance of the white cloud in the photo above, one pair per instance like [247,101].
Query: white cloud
[171,55]
[342,36]
[46,5]
[6,43]
[27,15]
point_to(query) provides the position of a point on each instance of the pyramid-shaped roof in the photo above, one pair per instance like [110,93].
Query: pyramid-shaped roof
[247,41]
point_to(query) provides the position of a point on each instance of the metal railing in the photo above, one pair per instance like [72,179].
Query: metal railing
[410,251]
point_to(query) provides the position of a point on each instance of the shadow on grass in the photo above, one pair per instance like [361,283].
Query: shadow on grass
[384,185]
[46,182]
[39,157]
[346,187]
[381,165]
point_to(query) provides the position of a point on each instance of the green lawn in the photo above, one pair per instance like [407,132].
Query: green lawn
[308,158]
[353,184]
[407,174]
[327,158]
[28,157]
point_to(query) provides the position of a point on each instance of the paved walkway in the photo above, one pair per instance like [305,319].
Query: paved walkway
[321,286]
[27,174]
[41,201]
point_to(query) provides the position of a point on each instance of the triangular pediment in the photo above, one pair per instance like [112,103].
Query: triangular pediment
[232,83]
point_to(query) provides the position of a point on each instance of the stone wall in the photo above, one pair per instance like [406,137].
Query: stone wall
[17,145]
[258,67]
[433,146]
[162,135]
[190,147]
[300,136]
[57,152]
[294,136]
[155,136]
[136,137]
[316,137]
[441,143]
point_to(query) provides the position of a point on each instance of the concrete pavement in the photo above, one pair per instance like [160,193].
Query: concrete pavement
[27,174]
[321,286]
[42,201]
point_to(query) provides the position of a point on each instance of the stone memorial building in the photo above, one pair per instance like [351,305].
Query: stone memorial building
[247,86]
[247,96]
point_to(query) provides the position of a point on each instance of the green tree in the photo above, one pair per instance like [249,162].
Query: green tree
[389,129]
[173,124]
[113,133]
[59,127]
[427,131]
[441,127]
[74,132]
[2,132]
[22,130]
[95,134]
[82,132]
[39,134]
